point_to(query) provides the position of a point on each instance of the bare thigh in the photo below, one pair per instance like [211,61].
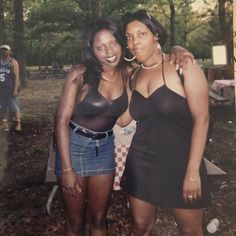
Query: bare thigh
[99,192]
[75,207]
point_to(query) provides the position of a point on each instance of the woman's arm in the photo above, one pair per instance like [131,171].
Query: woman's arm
[196,89]
[63,115]
[126,118]
[16,73]
[181,57]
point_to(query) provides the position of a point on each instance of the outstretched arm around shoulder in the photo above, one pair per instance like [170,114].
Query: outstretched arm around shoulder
[181,57]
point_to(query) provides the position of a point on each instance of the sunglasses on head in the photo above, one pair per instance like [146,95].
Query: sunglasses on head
[138,13]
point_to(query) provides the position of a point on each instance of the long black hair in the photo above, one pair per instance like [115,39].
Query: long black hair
[151,22]
[92,75]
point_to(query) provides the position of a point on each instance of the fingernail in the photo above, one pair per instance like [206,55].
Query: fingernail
[181,71]
[177,66]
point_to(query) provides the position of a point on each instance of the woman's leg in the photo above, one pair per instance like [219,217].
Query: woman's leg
[75,210]
[189,221]
[99,192]
[143,217]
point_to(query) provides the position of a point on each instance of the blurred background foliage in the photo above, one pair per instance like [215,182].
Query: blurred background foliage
[42,32]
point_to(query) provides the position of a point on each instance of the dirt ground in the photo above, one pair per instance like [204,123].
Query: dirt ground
[23,162]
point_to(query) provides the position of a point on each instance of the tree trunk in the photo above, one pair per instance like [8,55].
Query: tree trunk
[226,32]
[2,34]
[96,8]
[222,16]
[19,43]
[172,23]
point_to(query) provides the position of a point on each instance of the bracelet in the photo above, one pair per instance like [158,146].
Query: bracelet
[194,180]
[66,170]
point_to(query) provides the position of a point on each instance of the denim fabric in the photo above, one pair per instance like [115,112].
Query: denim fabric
[84,158]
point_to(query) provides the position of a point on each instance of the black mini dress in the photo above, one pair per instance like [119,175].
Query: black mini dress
[158,156]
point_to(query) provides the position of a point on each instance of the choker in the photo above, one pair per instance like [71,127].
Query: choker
[155,65]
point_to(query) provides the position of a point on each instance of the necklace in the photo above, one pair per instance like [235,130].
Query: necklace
[155,65]
[110,80]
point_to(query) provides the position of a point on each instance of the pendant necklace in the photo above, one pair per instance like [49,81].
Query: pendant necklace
[155,65]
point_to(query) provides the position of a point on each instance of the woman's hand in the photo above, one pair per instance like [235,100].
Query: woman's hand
[70,184]
[192,189]
[181,57]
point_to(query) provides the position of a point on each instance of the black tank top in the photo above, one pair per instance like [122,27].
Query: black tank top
[98,113]
[163,104]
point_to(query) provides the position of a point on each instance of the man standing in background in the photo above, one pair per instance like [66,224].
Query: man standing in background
[9,85]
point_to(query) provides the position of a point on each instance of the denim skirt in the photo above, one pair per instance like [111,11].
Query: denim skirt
[89,156]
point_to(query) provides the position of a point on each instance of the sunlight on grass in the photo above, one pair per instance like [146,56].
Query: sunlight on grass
[40,98]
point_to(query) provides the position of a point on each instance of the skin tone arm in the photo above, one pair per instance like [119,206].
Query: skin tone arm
[196,89]
[125,118]
[181,57]
[15,66]
[70,183]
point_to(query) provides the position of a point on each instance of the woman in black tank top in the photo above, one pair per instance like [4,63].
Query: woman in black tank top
[93,98]
[164,166]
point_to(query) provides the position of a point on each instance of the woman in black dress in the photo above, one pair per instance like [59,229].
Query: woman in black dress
[165,164]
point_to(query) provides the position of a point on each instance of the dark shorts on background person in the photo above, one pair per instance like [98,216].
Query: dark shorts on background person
[14,105]
[85,160]
[9,104]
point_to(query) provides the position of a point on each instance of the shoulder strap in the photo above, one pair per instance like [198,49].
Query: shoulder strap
[162,67]
[133,77]
[181,76]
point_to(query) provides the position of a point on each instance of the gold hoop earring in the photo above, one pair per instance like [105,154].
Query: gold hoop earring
[129,59]
[128,53]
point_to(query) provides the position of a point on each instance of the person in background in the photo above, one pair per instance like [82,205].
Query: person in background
[94,96]
[9,87]
[164,165]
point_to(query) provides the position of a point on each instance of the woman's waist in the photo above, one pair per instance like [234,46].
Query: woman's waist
[88,132]
[162,132]
[95,123]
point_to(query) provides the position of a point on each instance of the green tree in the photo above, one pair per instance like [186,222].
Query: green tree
[2,24]
[225,12]
[19,41]
[96,8]
[53,28]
